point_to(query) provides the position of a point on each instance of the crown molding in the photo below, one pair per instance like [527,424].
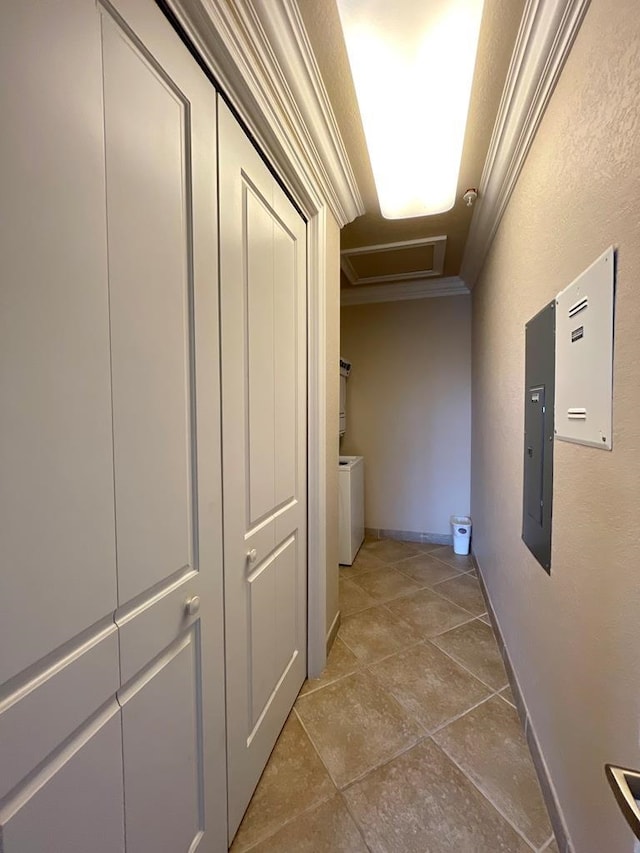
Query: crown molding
[366,294]
[259,54]
[288,38]
[545,38]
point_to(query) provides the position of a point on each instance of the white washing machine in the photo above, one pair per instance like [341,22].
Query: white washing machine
[351,508]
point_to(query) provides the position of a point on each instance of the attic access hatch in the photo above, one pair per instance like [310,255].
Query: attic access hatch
[584,356]
[405,260]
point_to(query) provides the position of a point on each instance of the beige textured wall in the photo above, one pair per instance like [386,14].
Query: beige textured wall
[333,405]
[573,637]
[408,409]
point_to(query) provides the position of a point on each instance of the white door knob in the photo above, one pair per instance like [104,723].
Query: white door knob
[192,605]
[252,555]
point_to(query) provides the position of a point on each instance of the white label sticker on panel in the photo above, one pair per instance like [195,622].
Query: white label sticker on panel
[584,356]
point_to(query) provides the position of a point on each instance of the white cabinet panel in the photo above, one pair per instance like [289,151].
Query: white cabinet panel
[148,203]
[56,465]
[75,804]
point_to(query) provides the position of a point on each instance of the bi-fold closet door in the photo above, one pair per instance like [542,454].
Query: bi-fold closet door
[264,429]
[111,615]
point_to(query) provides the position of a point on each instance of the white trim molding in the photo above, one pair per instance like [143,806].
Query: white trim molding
[546,35]
[439,248]
[288,39]
[317,444]
[332,633]
[452,286]
[259,53]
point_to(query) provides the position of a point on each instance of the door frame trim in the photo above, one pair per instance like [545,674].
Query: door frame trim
[316,444]
[259,55]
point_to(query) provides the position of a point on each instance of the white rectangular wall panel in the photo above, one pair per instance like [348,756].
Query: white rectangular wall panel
[584,356]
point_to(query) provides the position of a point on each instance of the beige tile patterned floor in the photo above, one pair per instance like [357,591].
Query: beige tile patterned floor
[409,742]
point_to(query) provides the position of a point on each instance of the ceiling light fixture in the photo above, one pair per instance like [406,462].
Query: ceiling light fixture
[412,63]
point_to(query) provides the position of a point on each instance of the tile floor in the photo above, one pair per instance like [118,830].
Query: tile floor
[409,742]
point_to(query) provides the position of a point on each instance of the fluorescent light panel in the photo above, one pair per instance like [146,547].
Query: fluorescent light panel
[412,63]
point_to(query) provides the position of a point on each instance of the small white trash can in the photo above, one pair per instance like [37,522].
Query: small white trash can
[461,526]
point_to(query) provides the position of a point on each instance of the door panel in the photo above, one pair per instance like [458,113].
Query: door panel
[160,120]
[259,343]
[56,462]
[60,777]
[69,806]
[148,198]
[162,748]
[285,357]
[263,321]
[273,624]
[46,707]
[150,625]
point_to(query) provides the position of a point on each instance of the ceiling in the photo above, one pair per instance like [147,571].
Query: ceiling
[499,29]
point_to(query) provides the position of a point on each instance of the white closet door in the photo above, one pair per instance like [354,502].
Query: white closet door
[160,131]
[61,784]
[263,321]
[110,482]
[56,467]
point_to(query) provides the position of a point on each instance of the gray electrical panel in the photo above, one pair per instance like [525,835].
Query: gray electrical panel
[538,434]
